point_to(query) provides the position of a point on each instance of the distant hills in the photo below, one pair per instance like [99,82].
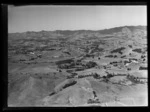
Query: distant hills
[70,33]
[118,29]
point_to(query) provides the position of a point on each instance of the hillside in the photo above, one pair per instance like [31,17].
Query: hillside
[78,68]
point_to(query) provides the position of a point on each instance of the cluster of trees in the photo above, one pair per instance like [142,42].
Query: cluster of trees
[65,66]
[74,64]
[72,75]
[142,68]
[69,84]
[135,80]
[115,63]
[89,55]
[67,61]
[111,56]
[96,49]
[90,64]
[97,76]
[93,101]
[118,50]
[123,56]
[130,46]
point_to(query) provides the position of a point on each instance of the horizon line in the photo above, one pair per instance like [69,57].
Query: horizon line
[78,29]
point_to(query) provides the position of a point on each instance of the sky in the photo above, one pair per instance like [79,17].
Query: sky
[56,17]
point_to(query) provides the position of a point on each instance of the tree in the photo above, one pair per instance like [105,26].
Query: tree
[109,75]
[128,68]
[96,76]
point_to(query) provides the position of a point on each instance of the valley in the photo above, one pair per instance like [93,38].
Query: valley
[78,68]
